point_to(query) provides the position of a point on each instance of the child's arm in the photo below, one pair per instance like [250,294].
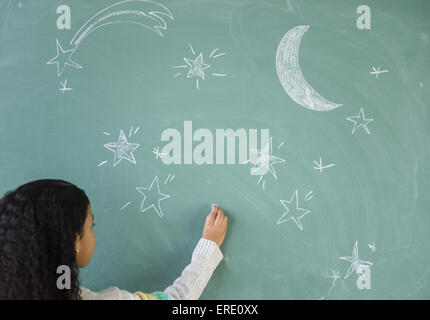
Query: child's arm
[205,259]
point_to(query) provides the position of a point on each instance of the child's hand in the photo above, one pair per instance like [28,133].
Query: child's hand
[215,226]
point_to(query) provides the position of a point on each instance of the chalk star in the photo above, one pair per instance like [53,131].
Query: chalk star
[63,58]
[335,275]
[197,67]
[157,153]
[156,198]
[64,88]
[372,246]
[300,213]
[355,261]
[122,149]
[320,167]
[378,72]
[360,122]
[266,159]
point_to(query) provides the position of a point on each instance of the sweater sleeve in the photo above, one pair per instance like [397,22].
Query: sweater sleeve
[189,286]
[194,278]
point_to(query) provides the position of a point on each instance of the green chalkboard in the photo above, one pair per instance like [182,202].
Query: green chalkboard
[340,209]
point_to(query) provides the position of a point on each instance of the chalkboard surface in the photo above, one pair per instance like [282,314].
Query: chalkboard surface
[326,185]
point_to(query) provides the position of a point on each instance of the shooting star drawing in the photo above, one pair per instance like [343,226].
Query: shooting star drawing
[148,14]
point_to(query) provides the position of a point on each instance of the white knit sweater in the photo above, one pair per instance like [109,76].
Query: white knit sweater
[189,286]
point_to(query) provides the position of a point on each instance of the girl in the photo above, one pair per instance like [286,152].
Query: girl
[48,223]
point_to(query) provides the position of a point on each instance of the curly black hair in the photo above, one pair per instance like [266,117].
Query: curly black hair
[39,223]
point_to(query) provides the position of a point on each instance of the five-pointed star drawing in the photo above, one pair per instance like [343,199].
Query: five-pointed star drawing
[197,67]
[355,261]
[63,58]
[265,159]
[154,197]
[360,122]
[295,216]
[122,149]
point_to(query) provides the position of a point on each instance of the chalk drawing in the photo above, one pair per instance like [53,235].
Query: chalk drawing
[378,71]
[148,14]
[197,66]
[152,197]
[169,178]
[334,276]
[291,76]
[122,149]
[63,59]
[292,209]
[355,261]
[64,86]
[360,122]
[309,196]
[265,158]
[102,163]
[320,167]
[130,132]
[372,246]
[125,206]
[290,7]
[158,154]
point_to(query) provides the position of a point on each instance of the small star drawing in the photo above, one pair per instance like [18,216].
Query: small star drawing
[320,167]
[355,261]
[295,216]
[63,58]
[197,67]
[335,275]
[360,122]
[157,197]
[122,149]
[157,153]
[265,159]
[377,72]
[372,246]
[64,86]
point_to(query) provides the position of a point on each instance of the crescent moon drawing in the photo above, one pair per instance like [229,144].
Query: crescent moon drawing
[291,77]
